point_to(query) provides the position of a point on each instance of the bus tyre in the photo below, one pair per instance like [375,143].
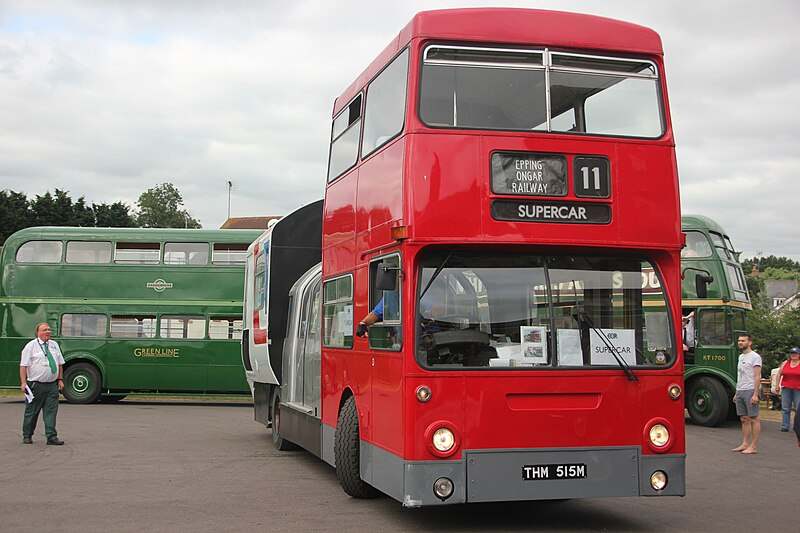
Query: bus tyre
[707,401]
[346,453]
[81,383]
[281,444]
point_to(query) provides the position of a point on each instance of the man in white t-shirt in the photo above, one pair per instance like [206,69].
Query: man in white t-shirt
[41,370]
[746,398]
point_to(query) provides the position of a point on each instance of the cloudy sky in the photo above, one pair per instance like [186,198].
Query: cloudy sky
[106,99]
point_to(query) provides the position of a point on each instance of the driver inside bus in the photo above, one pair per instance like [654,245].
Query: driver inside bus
[429,308]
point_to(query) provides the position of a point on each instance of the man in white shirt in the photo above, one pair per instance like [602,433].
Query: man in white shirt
[746,398]
[41,369]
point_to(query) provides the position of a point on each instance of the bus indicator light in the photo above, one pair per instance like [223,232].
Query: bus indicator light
[423,393]
[399,233]
[675,392]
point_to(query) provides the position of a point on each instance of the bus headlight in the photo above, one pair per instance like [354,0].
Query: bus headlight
[443,440]
[659,435]
[658,480]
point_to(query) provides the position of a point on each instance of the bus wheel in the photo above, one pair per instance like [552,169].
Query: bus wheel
[280,443]
[346,453]
[707,401]
[81,383]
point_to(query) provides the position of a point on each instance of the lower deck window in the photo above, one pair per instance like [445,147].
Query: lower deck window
[83,325]
[225,328]
[133,326]
[183,327]
[530,311]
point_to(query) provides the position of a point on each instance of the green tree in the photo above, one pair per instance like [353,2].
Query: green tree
[14,213]
[60,210]
[770,262]
[116,215]
[159,207]
[774,333]
[780,273]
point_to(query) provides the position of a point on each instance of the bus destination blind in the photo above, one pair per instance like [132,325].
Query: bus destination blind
[529,174]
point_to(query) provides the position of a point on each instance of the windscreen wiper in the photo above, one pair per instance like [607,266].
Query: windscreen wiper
[611,348]
[436,273]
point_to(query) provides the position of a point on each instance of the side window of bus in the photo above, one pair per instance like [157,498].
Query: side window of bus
[719,244]
[182,327]
[738,322]
[384,111]
[88,252]
[337,312]
[229,253]
[225,327]
[137,253]
[730,247]
[133,326]
[387,333]
[260,285]
[83,325]
[697,245]
[185,253]
[713,329]
[344,139]
[40,252]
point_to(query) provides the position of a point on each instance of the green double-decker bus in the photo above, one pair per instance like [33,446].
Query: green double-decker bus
[134,310]
[715,294]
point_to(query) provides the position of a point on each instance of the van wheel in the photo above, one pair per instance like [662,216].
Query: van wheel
[281,444]
[707,401]
[81,383]
[346,453]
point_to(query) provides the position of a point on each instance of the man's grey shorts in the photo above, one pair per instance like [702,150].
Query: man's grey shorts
[743,405]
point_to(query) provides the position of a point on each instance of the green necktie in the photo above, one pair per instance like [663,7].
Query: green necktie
[50,359]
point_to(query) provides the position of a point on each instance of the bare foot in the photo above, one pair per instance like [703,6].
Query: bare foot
[750,451]
[739,448]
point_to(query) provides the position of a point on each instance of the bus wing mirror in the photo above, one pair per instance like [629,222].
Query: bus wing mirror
[386,277]
[701,285]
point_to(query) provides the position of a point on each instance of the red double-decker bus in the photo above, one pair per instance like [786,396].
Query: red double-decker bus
[502,186]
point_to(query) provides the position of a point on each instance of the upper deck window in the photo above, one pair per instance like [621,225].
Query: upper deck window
[345,133]
[229,253]
[88,252]
[719,244]
[137,253]
[40,252]
[186,253]
[539,90]
[384,113]
[697,245]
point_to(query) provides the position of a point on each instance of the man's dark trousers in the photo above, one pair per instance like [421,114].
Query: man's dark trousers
[45,399]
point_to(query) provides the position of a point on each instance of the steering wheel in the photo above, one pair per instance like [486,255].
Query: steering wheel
[460,336]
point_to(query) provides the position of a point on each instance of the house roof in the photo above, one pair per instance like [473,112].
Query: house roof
[780,288]
[248,222]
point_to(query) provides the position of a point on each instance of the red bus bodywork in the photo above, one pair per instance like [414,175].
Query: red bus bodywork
[435,183]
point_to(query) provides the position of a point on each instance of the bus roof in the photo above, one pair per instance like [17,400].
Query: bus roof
[132,234]
[555,29]
[702,223]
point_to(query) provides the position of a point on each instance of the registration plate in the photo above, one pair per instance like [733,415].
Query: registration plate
[554,471]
